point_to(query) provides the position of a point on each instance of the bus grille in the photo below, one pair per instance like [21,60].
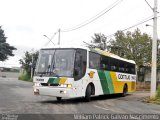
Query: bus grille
[46,84]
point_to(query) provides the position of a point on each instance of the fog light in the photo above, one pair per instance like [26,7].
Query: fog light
[63,91]
[36,91]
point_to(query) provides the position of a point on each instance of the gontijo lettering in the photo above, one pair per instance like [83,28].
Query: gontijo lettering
[123,76]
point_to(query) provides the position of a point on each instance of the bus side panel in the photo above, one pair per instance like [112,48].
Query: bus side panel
[131,86]
[106,82]
[95,80]
[118,85]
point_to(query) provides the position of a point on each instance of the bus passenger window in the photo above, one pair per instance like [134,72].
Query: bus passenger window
[104,63]
[94,60]
[121,66]
[127,68]
[114,64]
[132,69]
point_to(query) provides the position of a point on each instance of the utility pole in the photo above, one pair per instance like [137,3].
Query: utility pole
[32,68]
[154,53]
[59,30]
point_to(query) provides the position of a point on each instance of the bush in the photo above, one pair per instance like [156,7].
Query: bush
[158,92]
[25,77]
[155,100]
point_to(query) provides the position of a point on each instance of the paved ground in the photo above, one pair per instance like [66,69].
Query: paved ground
[16,97]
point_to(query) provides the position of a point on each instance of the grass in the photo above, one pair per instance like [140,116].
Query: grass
[155,100]
[25,77]
[158,92]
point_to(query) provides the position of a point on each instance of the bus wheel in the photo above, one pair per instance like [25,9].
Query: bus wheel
[88,93]
[59,98]
[125,90]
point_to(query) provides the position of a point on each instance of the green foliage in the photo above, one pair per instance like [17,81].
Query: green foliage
[26,62]
[100,41]
[158,92]
[158,55]
[5,49]
[24,77]
[135,45]
[155,100]
[132,45]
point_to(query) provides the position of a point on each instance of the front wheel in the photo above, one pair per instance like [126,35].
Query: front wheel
[59,98]
[88,94]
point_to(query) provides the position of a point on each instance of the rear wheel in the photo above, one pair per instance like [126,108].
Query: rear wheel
[59,98]
[125,90]
[88,93]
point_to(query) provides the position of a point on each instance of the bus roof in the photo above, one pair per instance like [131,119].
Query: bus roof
[105,53]
[96,50]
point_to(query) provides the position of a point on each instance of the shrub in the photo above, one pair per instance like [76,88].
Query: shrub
[24,77]
[158,92]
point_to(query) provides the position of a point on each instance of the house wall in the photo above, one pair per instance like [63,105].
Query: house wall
[147,75]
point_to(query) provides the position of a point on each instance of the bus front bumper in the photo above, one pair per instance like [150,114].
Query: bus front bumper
[56,92]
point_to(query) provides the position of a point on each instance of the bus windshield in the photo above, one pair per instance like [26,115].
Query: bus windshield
[56,62]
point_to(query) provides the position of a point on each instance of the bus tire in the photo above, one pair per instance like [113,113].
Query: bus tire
[88,93]
[59,98]
[125,90]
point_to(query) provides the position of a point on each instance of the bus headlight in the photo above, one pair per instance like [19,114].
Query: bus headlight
[69,85]
[63,85]
[66,85]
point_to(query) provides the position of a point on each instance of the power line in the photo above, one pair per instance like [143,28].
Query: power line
[93,18]
[139,23]
[149,5]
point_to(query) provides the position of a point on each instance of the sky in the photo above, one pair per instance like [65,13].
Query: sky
[25,22]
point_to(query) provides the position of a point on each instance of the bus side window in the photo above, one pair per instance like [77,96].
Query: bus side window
[132,69]
[104,65]
[121,66]
[114,64]
[80,64]
[94,60]
[127,68]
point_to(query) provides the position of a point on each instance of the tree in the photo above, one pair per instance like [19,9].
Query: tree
[27,62]
[5,49]
[132,45]
[158,55]
[99,40]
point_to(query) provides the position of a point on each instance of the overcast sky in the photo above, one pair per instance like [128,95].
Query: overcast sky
[26,21]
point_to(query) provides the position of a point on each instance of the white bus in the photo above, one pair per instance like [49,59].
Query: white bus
[79,72]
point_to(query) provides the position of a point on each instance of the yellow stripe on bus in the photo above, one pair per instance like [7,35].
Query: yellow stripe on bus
[118,85]
[62,80]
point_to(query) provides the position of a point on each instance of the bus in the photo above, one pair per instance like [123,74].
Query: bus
[82,72]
